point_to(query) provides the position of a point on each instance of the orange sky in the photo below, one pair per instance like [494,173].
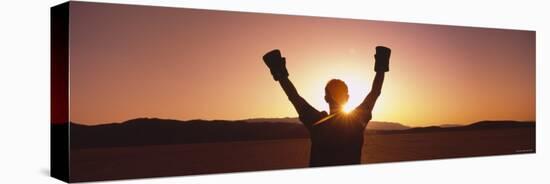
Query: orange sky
[135,61]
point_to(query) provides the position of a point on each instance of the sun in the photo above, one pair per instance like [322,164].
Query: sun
[357,91]
[358,88]
[347,108]
[352,73]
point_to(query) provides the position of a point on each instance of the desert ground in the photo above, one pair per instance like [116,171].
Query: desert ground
[89,164]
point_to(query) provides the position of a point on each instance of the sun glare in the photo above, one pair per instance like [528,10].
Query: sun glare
[358,85]
[347,108]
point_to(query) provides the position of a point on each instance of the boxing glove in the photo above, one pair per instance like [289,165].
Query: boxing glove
[276,64]
[382,59]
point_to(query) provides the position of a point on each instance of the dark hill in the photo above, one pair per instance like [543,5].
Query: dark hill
[481,125]
[153,131]
[373,125]
[144,131]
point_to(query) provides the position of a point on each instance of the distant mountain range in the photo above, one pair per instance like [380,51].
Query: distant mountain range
[154,131]
[373,125]
[481,125]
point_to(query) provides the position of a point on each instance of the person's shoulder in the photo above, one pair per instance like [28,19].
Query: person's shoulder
[321,115]
[363,113]
[311,118]
[361,117]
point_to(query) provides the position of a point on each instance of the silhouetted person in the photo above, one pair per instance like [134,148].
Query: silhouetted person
[336,138]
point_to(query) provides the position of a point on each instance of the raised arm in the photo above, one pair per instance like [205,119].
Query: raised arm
[277,67]
[376,90]
[382,58]
[301,105]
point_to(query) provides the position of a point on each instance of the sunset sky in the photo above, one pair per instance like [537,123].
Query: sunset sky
[134,61]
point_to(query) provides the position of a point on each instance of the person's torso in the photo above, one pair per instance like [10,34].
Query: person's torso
[337,141]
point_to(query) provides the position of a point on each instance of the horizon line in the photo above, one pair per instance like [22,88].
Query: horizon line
[199,119]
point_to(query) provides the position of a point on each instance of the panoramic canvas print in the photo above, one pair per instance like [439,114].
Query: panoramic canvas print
[142,91]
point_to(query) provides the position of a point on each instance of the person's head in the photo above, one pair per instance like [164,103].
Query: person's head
[336,93]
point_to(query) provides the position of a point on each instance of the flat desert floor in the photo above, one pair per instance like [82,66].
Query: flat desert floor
[188,159]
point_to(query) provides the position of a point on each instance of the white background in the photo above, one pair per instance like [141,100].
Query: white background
[24,91]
